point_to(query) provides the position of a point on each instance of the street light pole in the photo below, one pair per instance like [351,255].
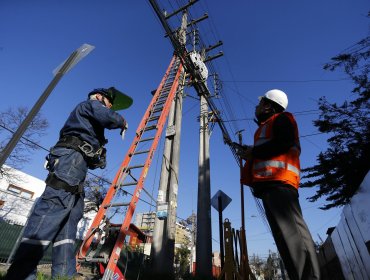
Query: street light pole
[68,64]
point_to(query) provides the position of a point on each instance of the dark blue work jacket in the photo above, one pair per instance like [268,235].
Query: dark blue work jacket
[88,120]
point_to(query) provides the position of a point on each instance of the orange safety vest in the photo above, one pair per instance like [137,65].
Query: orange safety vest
[284,168]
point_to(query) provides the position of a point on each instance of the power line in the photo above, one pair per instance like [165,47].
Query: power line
[47,150]
[96,176]
[285,81]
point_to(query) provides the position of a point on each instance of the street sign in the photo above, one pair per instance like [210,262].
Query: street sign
[225,200]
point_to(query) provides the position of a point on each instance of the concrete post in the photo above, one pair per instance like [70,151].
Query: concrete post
[204,228]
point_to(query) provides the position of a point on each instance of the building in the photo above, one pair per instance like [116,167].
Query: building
[182,236]
[18,194]
[145,222]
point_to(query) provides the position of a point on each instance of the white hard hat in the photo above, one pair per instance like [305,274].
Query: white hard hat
[278,97]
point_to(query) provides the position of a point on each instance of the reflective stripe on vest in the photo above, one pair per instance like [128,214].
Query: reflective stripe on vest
[285,167]
[275,164]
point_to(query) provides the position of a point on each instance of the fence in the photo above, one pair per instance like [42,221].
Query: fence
[9,234]
[346,252]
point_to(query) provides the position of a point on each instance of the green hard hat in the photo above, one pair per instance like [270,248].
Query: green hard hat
[118,99]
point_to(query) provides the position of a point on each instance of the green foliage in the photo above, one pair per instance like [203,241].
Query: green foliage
[342,167]
[182,258]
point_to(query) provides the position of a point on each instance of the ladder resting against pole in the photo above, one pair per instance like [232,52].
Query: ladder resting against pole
[148,134]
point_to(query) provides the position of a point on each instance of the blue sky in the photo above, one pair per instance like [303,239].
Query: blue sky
[266,44]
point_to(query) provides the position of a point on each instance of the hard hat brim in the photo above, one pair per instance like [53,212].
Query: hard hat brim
[121,100]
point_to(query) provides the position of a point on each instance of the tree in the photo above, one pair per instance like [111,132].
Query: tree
[182,258]
[342,167]
[10,120]
[257,265]
[271,266]
[95,191]
[96,188]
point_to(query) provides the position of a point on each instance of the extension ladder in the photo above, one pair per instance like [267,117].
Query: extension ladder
[148,133]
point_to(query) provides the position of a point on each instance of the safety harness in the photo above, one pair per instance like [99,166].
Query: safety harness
[94,159]
[56,183]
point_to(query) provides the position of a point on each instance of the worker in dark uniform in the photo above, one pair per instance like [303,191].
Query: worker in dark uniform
[59,209]
[272,170]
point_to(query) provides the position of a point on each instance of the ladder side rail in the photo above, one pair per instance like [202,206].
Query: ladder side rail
[113,187]
[131,208]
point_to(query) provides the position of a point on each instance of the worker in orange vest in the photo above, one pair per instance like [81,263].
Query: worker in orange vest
[272,171]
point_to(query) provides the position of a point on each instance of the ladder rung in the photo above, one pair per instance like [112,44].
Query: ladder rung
[160,102]
[146,139]
[116,204]
[135,167]
[129,184]
[162,98]
[150,127]
[95,260]
[169,83]
[156,110]
[153,118]
[141,152]
[165,91]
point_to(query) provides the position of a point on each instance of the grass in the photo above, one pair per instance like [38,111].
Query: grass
[40,276]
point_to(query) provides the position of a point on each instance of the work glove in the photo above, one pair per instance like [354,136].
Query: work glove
[243,151]
[123,130]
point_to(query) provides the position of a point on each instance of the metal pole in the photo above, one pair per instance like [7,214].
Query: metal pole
[245,270]
[243,253]
[221,230]
[72,59]
[204,229]
[241,185]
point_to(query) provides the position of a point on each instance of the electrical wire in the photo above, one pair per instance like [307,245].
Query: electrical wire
[286,81]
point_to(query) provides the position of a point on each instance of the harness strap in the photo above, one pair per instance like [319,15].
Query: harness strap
[54,182]
[70,141]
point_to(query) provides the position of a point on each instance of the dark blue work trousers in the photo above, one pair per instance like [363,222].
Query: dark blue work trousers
[53,221]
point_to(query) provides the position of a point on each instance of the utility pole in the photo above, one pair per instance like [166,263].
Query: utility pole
[195,66]
[163,250]
[204,230]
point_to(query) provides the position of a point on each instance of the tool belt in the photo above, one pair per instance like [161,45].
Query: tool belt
[94,159]
[56,183]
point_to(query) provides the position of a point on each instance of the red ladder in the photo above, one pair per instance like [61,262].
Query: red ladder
[148,131]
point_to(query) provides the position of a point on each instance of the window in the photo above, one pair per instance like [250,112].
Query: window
[20,191]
